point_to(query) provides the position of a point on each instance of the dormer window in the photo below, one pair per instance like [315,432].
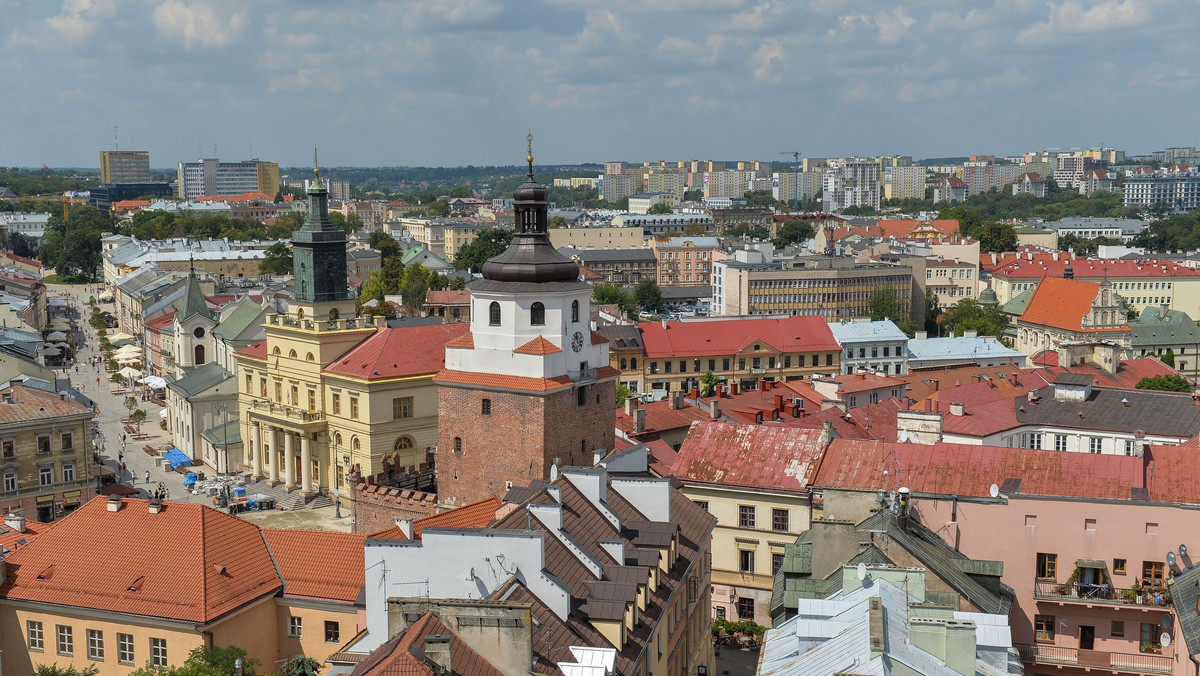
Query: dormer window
[494,314]
[537,314]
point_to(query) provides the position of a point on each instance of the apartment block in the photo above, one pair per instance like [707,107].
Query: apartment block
[831,288]
[211,176]
[124,166]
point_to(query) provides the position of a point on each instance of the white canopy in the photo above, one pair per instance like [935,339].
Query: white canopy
[119,336]
[128,349]
[129,373]
[56,337]
[106,296]
[154,382]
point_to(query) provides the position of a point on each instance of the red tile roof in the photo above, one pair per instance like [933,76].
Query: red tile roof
[10,538]
[399,352]
[900,227]
[1172,473]
[256,351]
[1087,268]
[721,337]
[404,655]
[862,382]
[1061,303]
[1033,177]
[952,182]
[504,382]
[318,563]
[27,261]
[660,417]
[161,321]
[29,404]
[968,470]
[598,339]
[538,345]
[448,297]
[466,340]
[762,456]
[189,562]
[471,515]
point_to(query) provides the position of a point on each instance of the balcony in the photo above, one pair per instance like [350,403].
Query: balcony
[284,411]
[1148,598]
[583,375]
[1137,663]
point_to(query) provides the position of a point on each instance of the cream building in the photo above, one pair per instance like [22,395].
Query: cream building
[613,237]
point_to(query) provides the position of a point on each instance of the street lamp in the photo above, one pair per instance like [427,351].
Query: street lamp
[337,497]
[222,409]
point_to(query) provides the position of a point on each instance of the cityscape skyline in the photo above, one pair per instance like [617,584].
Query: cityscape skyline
[430,84]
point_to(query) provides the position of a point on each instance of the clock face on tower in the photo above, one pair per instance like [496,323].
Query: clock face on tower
[577,341]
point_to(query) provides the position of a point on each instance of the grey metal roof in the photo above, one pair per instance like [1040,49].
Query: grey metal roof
[980,347]
[1167,328]
[858,332]
[1163,413]
[1017,304]
[228,434]
[1185,594]
[1073,378]
[237,321]
[139,279]
[622,336]
[200,379]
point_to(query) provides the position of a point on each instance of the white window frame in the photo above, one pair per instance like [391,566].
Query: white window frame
[295,627]
[158,652]
[45,476]
[64,637]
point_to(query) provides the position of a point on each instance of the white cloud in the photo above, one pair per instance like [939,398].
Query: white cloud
[769,60]
[1073,17]
[200,23]
[893,25]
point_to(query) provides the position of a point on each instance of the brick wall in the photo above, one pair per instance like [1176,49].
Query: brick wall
[377,507]
[519,440]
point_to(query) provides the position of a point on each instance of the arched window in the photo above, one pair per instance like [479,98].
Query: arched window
[494,314]
[292,354]
[485,408]
[354,444]
[310,357]
[276,351]
[337,438]
[574,310]
[633,362]
[537,314]
[404,443]
[300,313]
[199,355]
[334,314]
[624,363]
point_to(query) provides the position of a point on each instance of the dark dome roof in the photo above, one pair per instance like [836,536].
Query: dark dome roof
[531,191]
[531,258]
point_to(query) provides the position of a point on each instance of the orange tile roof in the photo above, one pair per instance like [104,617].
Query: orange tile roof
[471,515]
[320,564]
[466,340]
[31,404]
[598,339]
[900,227]
[11,539]
[660,417]
[399,352]
[1061,303]
[538,345]
[862,382]
[257,350]
[404,655]
[189,562]
[448,297]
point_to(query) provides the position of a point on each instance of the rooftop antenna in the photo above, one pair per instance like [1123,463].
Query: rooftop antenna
[116,140]
[529,150]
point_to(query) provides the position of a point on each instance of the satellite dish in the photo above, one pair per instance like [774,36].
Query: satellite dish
[1170,558]
[1166,621]
[1182,551]
[862,571]
[994,490]
[1165,639]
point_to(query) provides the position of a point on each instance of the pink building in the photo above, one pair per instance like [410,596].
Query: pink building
[1095,547]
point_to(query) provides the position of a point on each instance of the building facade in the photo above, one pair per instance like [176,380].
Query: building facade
[211,176]
[124,166]
[831,288]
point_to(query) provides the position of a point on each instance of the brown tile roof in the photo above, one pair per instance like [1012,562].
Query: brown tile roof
[30,404]
[404,655]
[598,338]
[399,352]
[660,417]
[471,515]
[862,382]
[922,383]
[318,563]
[466,340]
[723,337]
[189,562]
[538,345]
[779,457]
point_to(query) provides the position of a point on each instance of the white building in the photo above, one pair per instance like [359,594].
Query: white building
[871,346]
[849,184]
[32,226]
[1178,189]
[970,348]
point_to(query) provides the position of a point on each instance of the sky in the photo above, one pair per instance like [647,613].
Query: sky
[458,82]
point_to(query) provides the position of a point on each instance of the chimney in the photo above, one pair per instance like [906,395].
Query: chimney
[733,389]
[673,401]
[797,409]
[14,521]
[115,504]
[664,324]
[719,391]
[957,409]
[902,514]
[154,506]
[758,418]
[406,527]
[437,650]
[714,409]
[779,402]
[694,393]
[631,404]
[639,421]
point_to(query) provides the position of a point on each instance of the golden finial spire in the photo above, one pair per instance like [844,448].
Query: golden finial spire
[529,148]
[316,166]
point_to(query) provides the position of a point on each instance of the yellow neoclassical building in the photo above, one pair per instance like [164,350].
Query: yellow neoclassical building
[328,392]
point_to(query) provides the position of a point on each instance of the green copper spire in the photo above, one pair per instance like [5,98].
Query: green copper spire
[193,300]
[319,250]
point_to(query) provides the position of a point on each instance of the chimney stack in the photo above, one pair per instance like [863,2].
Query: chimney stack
[639,421]
[631,404]
[902,514]
[154,505]
[14,521]
[437,650]
[957,409]
[714,409]
[115,504]
[406,527]
[779,402]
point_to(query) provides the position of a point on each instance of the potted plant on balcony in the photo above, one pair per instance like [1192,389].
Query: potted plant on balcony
[1151,648]
[1130,595]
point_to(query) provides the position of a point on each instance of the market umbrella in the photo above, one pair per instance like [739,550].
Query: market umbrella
[57,302]
[56,337]
[126,349]
[60,323]
[119,336]
[154,382]
[124,342]
[163,414]
[51,352]
[130,373]
[106,297]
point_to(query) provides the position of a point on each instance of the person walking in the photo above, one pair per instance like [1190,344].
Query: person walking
[147,476]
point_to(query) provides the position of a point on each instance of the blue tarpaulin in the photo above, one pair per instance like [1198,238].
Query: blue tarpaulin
[177,458]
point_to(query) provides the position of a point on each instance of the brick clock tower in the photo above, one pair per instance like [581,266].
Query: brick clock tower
[530,386]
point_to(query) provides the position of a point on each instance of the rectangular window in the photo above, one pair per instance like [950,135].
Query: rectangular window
[745,608]
[262,382]
[95,644]
[1060,442]
[757,362]
[787,361]
[125,648]
[278,392]
[1152,573]
[746,514]
[10,450]
[800,360]
[66,640]
[336,402]
[1035,440]
[712,365]
[1043,627]
[354,408]
[10,482]
[683,366]
[312,401]
[776,562]
[43,443]
[653,367]
[68,441]
[37,640]
[696,365]
[1047,566]
[702,504]
[68,473]
[886,350]
[1128,447]
[1095,444]
[724,364]
[779,520]
[295,627]
[333,632]
[249,384]
[1118,566]
[402,407]
[742,363]
[828,359]
[158,652]
[746,560]
[46,476]
[1118,629]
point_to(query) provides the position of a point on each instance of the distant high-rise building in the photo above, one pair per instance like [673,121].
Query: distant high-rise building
[124,166]
[616,187]
[850,184]
[793,186]
[904,182]
[211,176]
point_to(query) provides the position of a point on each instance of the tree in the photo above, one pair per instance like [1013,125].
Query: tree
[131,402]
[118,379]
[138,417]
[413,294]
[557,222]
[969,315]
[794,232]
[277,260]
[648,296]
[883,304]
[932,312]
[488,244]
[20,245]
[437,208]
[969,220]
[1169,358]
[606,293]
[660,208]
[72,246]
[1164,383]
[708,384]
[55,670]
[202,661]
[458,283]
[299,665]
[693,195]
[997,237]
[623,393]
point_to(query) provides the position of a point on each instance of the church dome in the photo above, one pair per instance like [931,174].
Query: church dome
[531,191]
[988,297]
